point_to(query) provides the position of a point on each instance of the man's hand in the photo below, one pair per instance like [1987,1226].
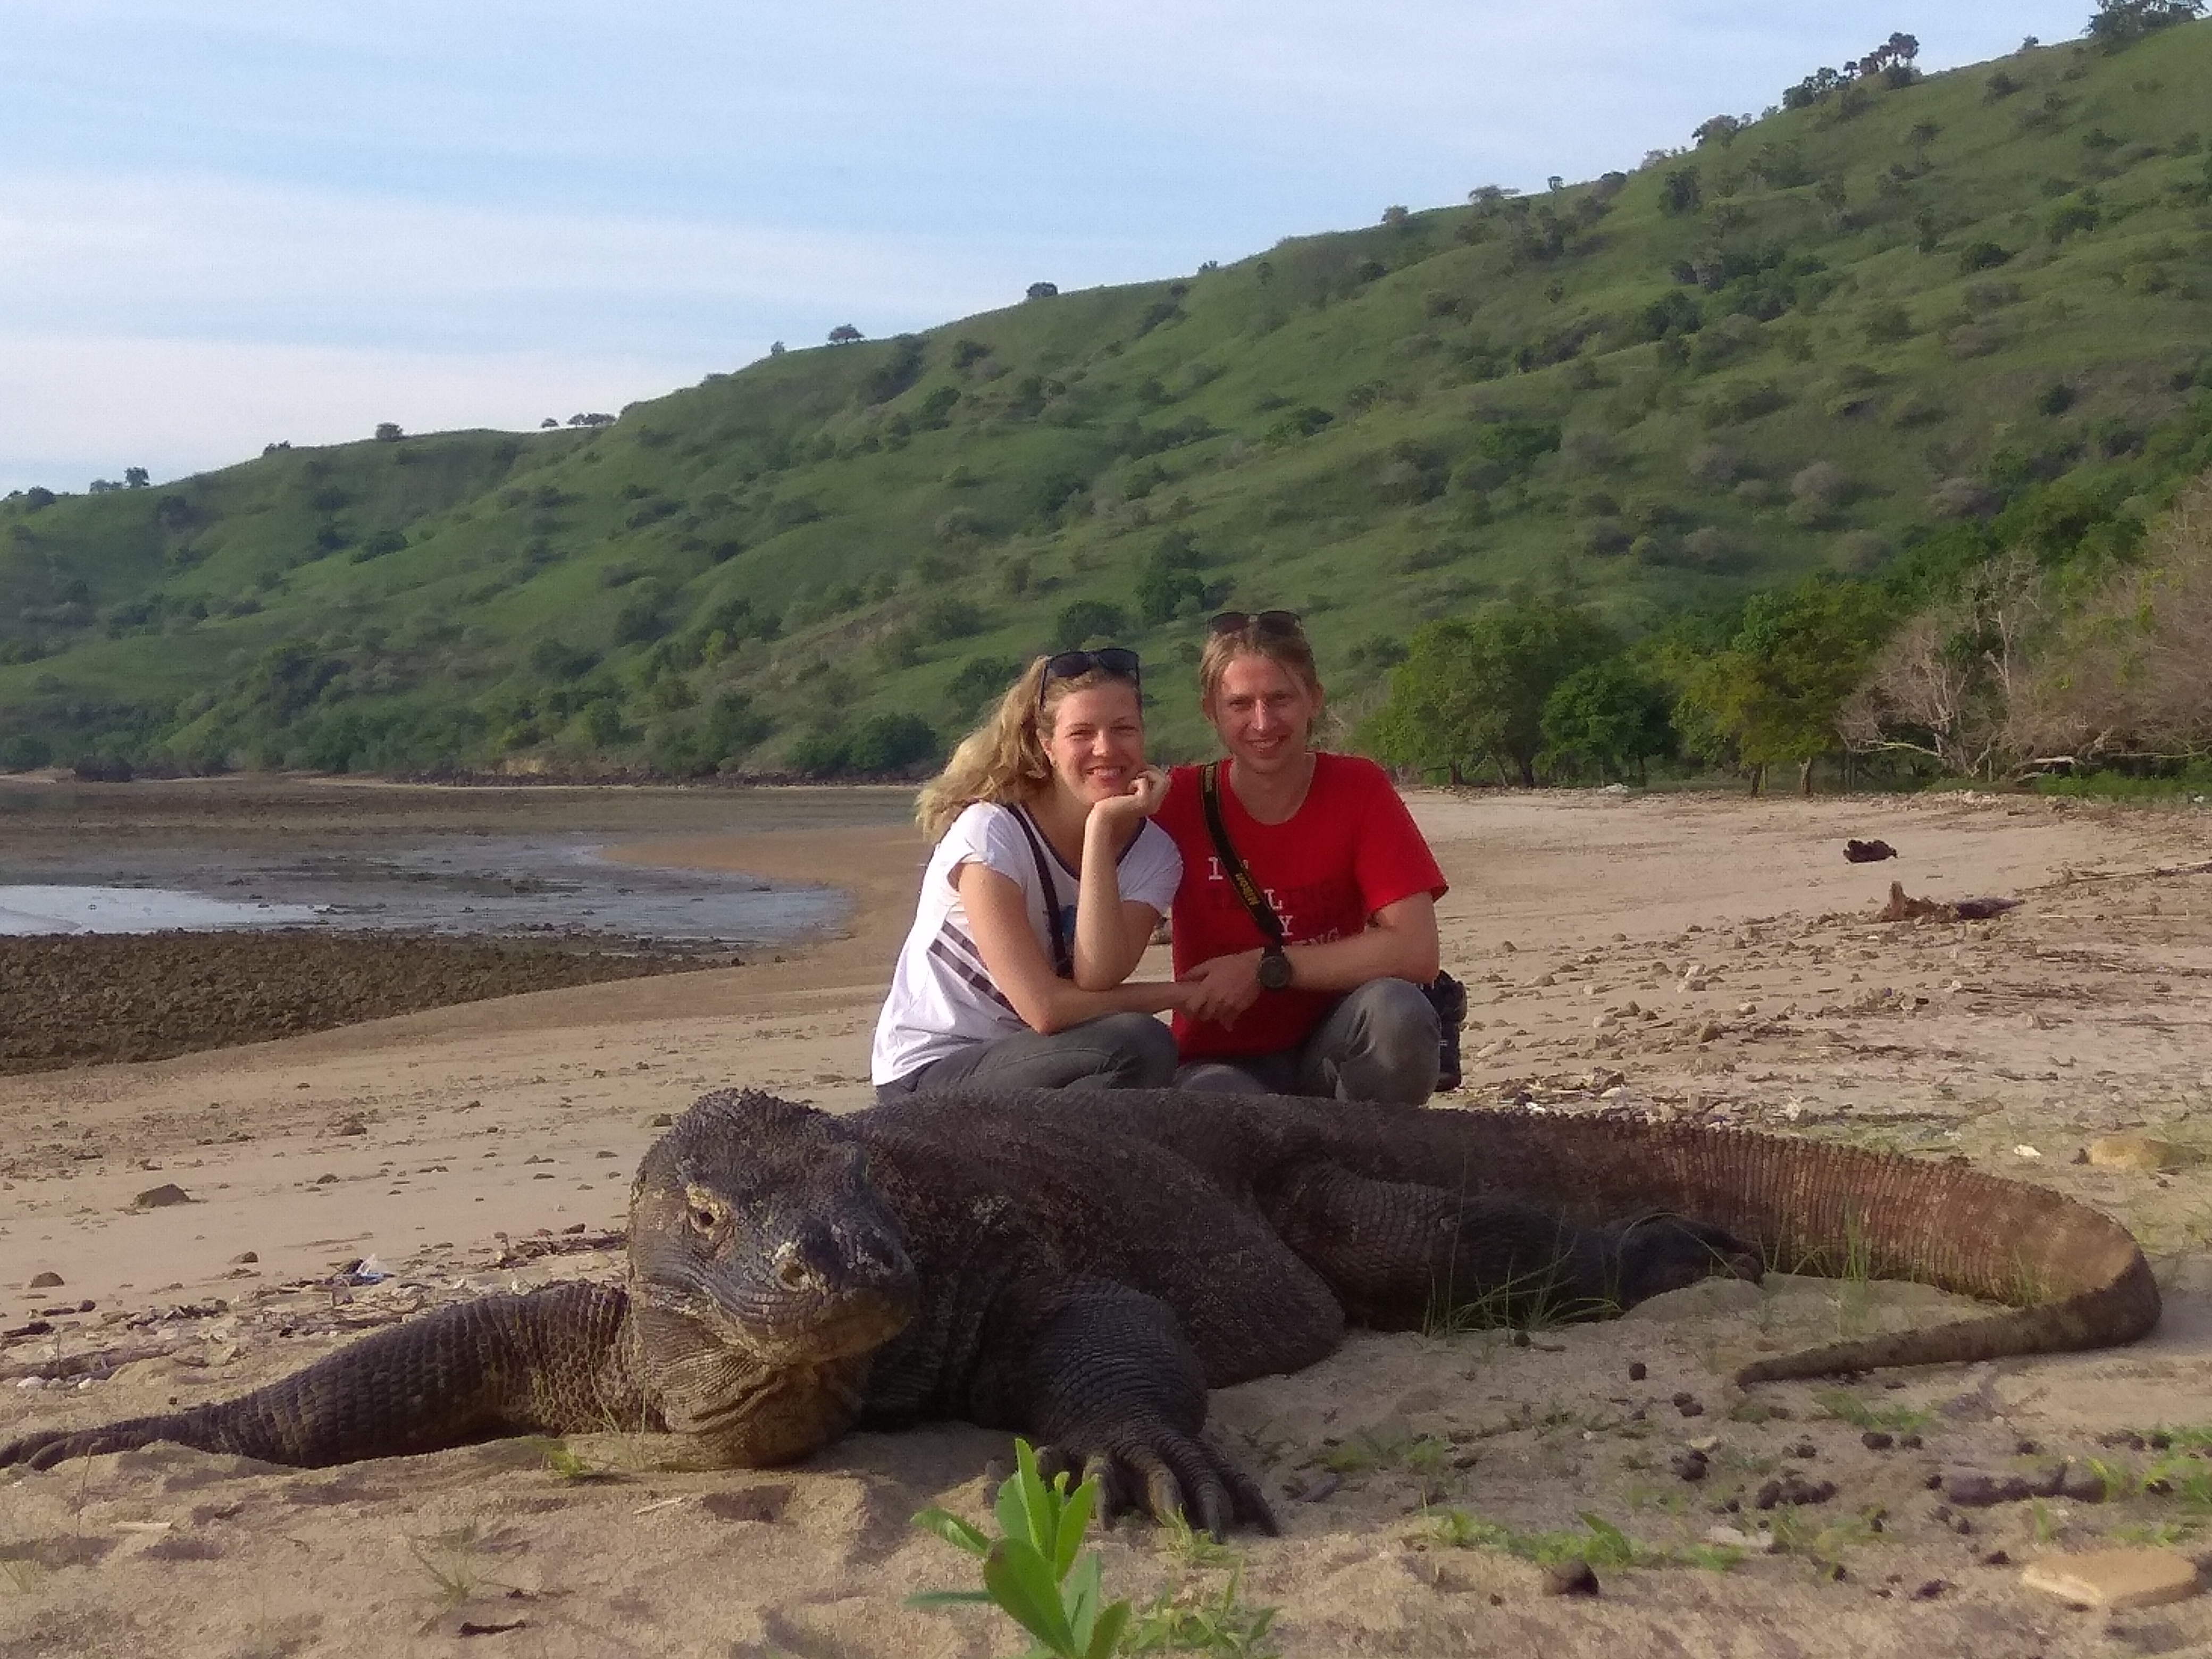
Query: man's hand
[1223,986]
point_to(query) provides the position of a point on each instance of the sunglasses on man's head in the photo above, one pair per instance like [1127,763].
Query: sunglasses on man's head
[1266,624]
[1117,660]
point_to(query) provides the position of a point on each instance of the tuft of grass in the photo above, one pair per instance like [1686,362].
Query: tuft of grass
[452,1562]
[1191,1620]
[1847,1408]
[1600,1543]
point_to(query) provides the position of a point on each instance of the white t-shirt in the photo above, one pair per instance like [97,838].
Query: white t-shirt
[942,999]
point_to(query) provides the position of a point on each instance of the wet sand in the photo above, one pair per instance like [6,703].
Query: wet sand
[1691,955]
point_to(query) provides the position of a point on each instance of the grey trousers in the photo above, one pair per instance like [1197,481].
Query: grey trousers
[1379,1042]
[1114,1051]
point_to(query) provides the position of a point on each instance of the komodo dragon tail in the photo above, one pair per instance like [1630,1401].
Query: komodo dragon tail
[2073,1277]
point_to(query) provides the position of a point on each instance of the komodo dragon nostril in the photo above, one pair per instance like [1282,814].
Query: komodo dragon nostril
[791,1269]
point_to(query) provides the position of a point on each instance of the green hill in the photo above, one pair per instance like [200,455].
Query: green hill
[1818,341]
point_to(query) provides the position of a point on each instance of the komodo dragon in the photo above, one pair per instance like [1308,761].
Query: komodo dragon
[1083,1267]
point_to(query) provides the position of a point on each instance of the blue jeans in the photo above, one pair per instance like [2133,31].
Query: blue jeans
[1379,1042]
[1114,1051]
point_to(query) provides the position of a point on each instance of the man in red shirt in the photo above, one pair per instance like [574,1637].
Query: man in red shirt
[1336,1007]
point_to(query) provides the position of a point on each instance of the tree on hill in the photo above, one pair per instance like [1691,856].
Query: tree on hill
[2119,23]
[388,432]
[1043,291]
[1472,689]
[845,334]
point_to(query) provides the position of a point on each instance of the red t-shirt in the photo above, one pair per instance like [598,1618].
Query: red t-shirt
[1350,849]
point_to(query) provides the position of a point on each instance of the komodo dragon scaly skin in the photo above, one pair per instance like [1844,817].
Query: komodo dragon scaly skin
[1083,1267]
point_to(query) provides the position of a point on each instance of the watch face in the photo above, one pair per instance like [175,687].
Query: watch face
[1274,970]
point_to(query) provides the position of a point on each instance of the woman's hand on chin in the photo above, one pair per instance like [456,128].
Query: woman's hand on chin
[1139,800]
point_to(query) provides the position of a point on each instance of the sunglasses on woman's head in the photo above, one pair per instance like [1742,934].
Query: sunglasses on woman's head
[1117,660]
[1267,625]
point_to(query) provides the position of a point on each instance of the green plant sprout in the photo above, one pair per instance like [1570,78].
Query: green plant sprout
[1031,1572]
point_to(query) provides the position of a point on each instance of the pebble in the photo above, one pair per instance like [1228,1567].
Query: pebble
[1736,1539]
[46,1281]
[1877,1440]
[2118,1579]
[1637,1370]
[1570,1578]
[1793,1489]
[162,1197]
[1689,1465]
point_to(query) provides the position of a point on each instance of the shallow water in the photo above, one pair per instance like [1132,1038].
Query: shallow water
[461,885]
[29,910]
[530,865]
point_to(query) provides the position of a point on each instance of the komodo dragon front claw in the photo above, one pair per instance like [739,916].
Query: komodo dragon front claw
[1166,1474]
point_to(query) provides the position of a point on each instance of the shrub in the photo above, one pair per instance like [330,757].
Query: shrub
[2055,398]
[1742,400]
[20,752]
[951,618]
[1042,291]
[639,622]
[2070,219]
[1888,324]
[1086,620]
[1823,484]
[1714,465]
[1707,546]
[1963,498]
[1604,537]
[1981,256]
[1517,445]
[1590,449]
[980,681]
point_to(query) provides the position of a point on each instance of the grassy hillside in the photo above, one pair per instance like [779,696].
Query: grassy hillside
[1808,344]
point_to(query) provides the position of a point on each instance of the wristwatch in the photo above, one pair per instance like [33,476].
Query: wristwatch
[1274,968]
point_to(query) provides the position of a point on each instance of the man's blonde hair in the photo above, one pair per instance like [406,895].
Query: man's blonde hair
[1287,646]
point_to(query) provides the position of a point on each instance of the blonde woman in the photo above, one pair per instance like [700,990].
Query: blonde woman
[1047,881]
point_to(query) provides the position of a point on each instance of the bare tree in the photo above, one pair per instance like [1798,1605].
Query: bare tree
[1948,685]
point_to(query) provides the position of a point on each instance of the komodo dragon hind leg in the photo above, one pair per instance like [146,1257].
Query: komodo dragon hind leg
[1404,1256]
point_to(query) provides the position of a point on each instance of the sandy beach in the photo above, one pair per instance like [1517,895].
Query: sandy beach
[1688,956]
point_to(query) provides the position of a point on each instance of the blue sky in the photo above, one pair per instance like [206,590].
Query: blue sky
[228,222]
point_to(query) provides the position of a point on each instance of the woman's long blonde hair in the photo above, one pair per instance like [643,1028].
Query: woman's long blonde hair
[1003,760]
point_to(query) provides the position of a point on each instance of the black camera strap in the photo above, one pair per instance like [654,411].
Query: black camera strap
[1255,903]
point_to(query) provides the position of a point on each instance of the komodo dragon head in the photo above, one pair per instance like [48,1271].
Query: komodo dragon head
[764,1272]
